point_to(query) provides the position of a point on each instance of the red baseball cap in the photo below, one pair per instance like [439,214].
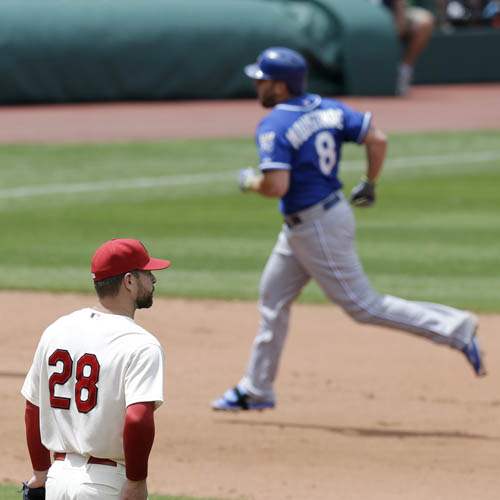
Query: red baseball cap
[123,255]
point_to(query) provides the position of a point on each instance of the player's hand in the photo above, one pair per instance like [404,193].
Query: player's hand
[32,492]
[246,178]
[134,490]
[38,479]
[363,194]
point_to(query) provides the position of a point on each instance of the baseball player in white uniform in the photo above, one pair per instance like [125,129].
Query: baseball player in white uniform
[95,381]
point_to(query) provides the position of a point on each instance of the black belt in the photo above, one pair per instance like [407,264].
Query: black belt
[295,219]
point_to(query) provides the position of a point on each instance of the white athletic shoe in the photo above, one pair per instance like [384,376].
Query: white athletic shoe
[472,350]
[237,399]
[405,77]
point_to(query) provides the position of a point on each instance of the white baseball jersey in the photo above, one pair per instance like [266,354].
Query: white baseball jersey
[88,367]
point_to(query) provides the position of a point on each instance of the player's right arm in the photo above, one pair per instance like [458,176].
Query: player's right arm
[138,437]
[143,393]
[134,490]
[375,143]
[358,127]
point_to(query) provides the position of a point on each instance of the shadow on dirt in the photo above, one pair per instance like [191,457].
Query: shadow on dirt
[12,375]
[363,432]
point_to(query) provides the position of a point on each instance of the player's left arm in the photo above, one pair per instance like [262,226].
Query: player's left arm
[34,488]
[39,455]
[275,154]
[270,183]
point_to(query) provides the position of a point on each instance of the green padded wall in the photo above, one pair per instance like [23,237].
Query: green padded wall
[97,50]
[467,55]
[370,50]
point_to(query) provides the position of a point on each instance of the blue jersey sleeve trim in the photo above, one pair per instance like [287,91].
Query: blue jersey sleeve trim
[274,165]
[367,120]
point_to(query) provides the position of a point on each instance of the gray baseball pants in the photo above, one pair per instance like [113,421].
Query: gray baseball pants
[322,247]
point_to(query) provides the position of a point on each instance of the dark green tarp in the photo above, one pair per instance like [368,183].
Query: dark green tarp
[466,55]
[98,50]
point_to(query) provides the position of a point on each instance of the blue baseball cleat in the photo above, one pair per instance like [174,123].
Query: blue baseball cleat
[237,399]
[474,357]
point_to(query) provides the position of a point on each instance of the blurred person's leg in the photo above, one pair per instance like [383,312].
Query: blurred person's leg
[419,27]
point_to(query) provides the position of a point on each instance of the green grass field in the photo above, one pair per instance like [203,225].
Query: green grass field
[12,492]
[434,233]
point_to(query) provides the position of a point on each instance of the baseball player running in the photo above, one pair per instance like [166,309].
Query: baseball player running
[300,144]
[95,381]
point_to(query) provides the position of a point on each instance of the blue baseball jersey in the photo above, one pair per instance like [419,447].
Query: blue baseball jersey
[305,135]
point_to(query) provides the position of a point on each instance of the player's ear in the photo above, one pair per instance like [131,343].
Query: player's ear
[128,280]
[281,87]
[282,90]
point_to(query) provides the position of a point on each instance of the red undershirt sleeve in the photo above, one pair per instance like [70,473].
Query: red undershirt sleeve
[40,456]
[138,437]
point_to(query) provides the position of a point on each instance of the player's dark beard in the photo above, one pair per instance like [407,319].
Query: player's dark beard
[144,300]
[269,101]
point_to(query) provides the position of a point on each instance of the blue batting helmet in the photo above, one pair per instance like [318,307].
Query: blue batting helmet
[280,63]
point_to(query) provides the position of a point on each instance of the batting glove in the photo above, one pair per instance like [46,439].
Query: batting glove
[363,194]
[246,178]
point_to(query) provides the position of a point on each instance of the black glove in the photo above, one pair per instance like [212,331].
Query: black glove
[363,194]
[33,493]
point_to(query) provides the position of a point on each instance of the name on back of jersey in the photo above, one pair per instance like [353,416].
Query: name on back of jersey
[310,123]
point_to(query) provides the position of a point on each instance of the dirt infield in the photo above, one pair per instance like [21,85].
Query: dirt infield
[363,412]
[427,108]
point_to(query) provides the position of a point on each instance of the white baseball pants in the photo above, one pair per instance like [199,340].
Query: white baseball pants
[74,479]
[323,248]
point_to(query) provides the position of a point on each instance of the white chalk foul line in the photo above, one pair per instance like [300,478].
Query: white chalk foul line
[200,179]
[114,185]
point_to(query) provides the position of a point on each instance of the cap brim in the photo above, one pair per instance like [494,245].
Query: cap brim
[156,264]
[253,71]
